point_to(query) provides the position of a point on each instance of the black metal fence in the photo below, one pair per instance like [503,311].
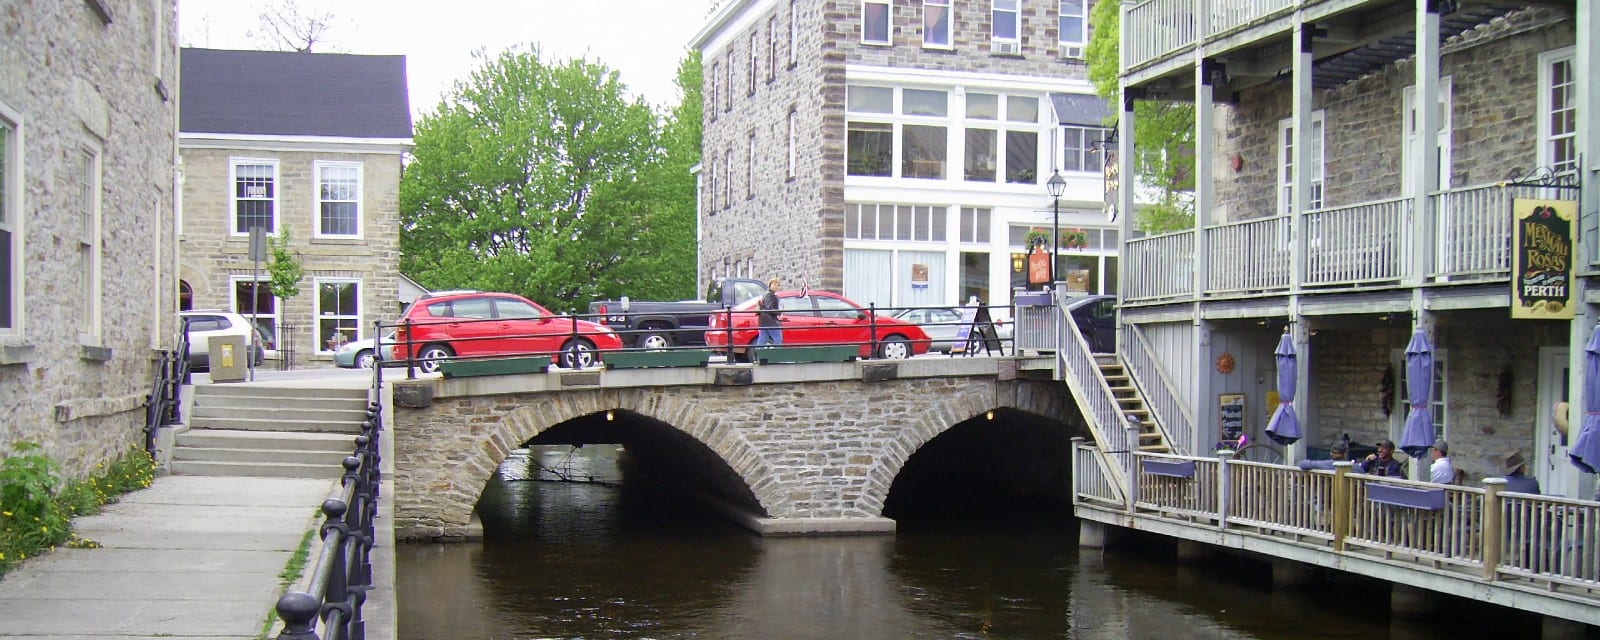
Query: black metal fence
[286,345]
[163,405]
[343,573]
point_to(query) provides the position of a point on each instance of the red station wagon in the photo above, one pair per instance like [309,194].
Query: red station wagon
[820,317]
[479,323]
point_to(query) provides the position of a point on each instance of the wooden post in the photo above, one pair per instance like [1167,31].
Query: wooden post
[1493,539]
[1342,509]
[1223,458]
[1133,464]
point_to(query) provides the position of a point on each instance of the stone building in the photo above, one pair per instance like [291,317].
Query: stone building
[87,280]
[898,152]
[307,144]
[1405,220]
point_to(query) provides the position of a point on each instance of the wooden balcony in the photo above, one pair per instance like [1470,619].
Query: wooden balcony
[1348,248]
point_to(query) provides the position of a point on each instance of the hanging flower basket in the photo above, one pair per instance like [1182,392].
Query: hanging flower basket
[1074,239]
[1037,237]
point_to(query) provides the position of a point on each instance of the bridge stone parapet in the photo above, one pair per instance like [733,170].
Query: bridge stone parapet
[786,449]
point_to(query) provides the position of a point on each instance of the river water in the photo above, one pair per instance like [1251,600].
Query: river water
[603,555]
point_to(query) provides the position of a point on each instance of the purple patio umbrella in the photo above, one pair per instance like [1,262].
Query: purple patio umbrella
[1284,428]
[1418,435]
[1585,449]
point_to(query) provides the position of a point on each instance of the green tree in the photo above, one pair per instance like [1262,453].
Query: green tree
[543,178]
[1163,131]
[283,266]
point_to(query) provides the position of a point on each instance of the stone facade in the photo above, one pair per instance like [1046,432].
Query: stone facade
[1494,76]
[212,257]
[789,452]
[756,217]
[74,80]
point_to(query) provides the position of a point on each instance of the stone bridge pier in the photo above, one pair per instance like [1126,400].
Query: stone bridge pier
[791,450]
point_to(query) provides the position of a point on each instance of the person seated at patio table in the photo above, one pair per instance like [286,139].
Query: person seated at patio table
[1512,465]
[1381,463]
[1442,471]
[1339,452]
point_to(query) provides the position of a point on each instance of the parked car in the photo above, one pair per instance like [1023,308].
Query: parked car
[362,354]
[660,325]
[944,324]
[1096,317]
[820,317]
[481,323]
[201,324]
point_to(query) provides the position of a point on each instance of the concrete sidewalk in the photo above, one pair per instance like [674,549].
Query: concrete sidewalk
[189,556]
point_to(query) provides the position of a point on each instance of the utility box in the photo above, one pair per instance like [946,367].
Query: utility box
[227,358]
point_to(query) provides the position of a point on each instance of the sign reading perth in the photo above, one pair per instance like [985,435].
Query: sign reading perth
[1541,241]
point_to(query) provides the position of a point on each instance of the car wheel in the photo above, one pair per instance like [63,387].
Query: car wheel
[894,348]
[429,358]
[364,359]
[654,338]
[578,354]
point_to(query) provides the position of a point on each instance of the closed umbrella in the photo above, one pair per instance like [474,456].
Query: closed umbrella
[1284,428]
[1418,435]
[1585,450]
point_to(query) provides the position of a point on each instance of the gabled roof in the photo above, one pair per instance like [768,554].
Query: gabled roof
[285,93]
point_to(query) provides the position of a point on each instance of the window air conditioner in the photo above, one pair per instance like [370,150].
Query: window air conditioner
[1071,52]
[1005,48]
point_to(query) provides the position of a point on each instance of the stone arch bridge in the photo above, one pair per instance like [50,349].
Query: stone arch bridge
[795,449]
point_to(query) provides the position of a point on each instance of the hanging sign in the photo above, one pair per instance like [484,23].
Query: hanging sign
[1039,267]
[1230,415]
[1541,241]
[1112,174]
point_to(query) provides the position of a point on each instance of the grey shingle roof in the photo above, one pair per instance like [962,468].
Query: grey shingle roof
[1080,109]
[291,93]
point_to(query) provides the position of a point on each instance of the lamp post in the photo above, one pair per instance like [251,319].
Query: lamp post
[1056,186]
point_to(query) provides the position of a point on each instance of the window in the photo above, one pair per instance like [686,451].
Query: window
[727,95]
[1286,164]
[255,195]
[10,222]
[755,61]
[936,23]
[1079,150]
[1438,401]
[87,208]
[338,199]
[253,298]
[793,114]
[860,99]
[1007,20]
[750,169]
[711,188]
[980,160]
[870,148]
[995,150]
[772,48]
[338,313]
[894,222]
[727,178]
[875,22]
[1022,145]
[1558,109]
[915,143]
[924,151]
[716,83]
[794,29]
[975,225]
[1073,23]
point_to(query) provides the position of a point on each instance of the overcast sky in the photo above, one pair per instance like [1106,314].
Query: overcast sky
[642,39]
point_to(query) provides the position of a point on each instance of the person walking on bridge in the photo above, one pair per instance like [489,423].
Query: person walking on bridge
[767,319]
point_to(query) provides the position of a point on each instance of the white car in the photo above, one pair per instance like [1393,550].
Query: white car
[201,324]
[358,354]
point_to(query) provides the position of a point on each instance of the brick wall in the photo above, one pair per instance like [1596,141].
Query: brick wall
[75,79]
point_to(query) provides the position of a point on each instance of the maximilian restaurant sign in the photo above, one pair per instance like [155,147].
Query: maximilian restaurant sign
[1541,279]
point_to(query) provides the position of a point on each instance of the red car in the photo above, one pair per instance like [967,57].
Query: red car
[479,323]
[820,317]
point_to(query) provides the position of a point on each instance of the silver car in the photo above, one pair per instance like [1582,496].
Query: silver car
[360,355]
[944,324]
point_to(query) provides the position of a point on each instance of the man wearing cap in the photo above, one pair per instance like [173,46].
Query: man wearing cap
[1515,481]
[1382,463]
[1339,452]
[1442,471]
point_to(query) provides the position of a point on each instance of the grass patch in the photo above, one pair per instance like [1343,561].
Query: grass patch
[39,505]
[291,573]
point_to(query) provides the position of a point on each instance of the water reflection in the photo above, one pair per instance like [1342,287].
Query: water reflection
[620,558]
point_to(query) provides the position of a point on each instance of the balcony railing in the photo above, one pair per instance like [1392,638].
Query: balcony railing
[1357,244]
[1171,412]
[1227,15]
[1249,256]
[1157,28]
[1160,266]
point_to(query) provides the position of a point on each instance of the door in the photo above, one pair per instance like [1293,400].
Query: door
[1442,258]
[521,328]
[1557,476]
[472,327]
[842,323]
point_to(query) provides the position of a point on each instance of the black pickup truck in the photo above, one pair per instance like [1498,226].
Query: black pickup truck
[660,325]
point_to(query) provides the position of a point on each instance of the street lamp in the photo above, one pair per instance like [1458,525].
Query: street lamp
[1057,185]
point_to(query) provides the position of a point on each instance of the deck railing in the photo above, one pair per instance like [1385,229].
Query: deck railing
[1172,414]
[1357,244]
[1473,225]
[1160,267]
[1157,28]
[1447,531]
[1093,476]
[1076,366]
[1252,255]
[1280,498]
[1180,486]
[1230,14]
[1550,538]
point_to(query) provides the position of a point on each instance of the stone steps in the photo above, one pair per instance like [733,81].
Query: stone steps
[263,431]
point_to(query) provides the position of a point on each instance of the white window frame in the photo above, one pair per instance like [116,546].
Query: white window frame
[319,315]
[1285,169]
[750,169]
[793,142]
[949,25]
[1439,401]
[11,218]
[794,29]
[233,193]
[716,82]
[276,336]
[772,47]
[1080,38]
[1016,20]
[318,201]
[1087,151]
[755,61]
[88,209]
[1408,101]
[888,16]
[1547,137]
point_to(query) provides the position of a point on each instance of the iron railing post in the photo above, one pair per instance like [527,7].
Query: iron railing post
[411,351]
[872,322]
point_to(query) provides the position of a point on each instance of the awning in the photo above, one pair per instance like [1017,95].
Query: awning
[1081,109]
